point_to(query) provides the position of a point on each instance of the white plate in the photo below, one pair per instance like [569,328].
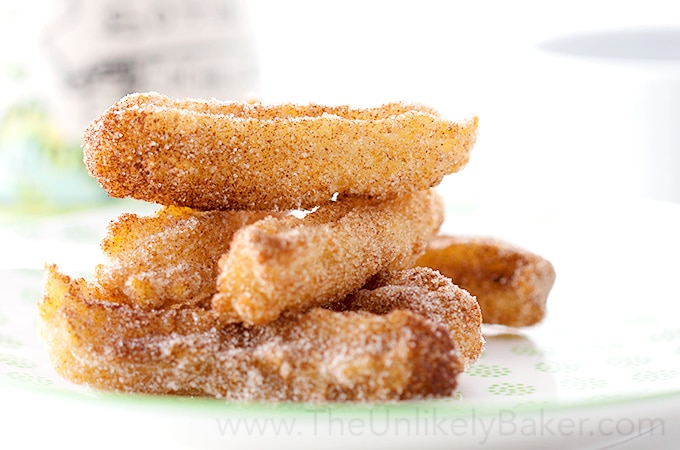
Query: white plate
[602,369]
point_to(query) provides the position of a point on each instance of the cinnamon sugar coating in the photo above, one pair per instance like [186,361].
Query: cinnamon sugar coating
[318,355]
[223,293]
[208,154]
[280,264]
[167,258]
[429,294]
[510,283]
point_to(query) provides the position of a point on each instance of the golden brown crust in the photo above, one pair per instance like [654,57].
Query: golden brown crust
[430,294]
[292,264]
[168,258]
[222,295]
[318,355]
[510,284]
[224,155]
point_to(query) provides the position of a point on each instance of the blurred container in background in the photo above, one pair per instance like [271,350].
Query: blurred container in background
[615,104]
[65,61]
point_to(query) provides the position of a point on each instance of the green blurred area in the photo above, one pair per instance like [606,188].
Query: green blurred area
[41,170]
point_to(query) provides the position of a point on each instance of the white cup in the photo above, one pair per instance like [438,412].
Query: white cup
[615,105]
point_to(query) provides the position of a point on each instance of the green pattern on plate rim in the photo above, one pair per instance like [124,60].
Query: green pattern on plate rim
[29,379]
[9,341]
[584,383]
[484,371]
[512,389]
[17,361]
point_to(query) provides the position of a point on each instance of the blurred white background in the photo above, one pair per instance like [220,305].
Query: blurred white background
[550,128]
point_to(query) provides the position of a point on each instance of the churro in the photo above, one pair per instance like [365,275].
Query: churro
[168,258]
[280,264]
[430,294]
[318,355]
[208,154]
[511,284]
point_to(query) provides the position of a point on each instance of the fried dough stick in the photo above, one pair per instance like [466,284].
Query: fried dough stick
[430,294]
[167,258]
[207,154]
[318,355]
[511,284]
[289,263]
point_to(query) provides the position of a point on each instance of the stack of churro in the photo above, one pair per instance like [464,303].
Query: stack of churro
[286,261]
